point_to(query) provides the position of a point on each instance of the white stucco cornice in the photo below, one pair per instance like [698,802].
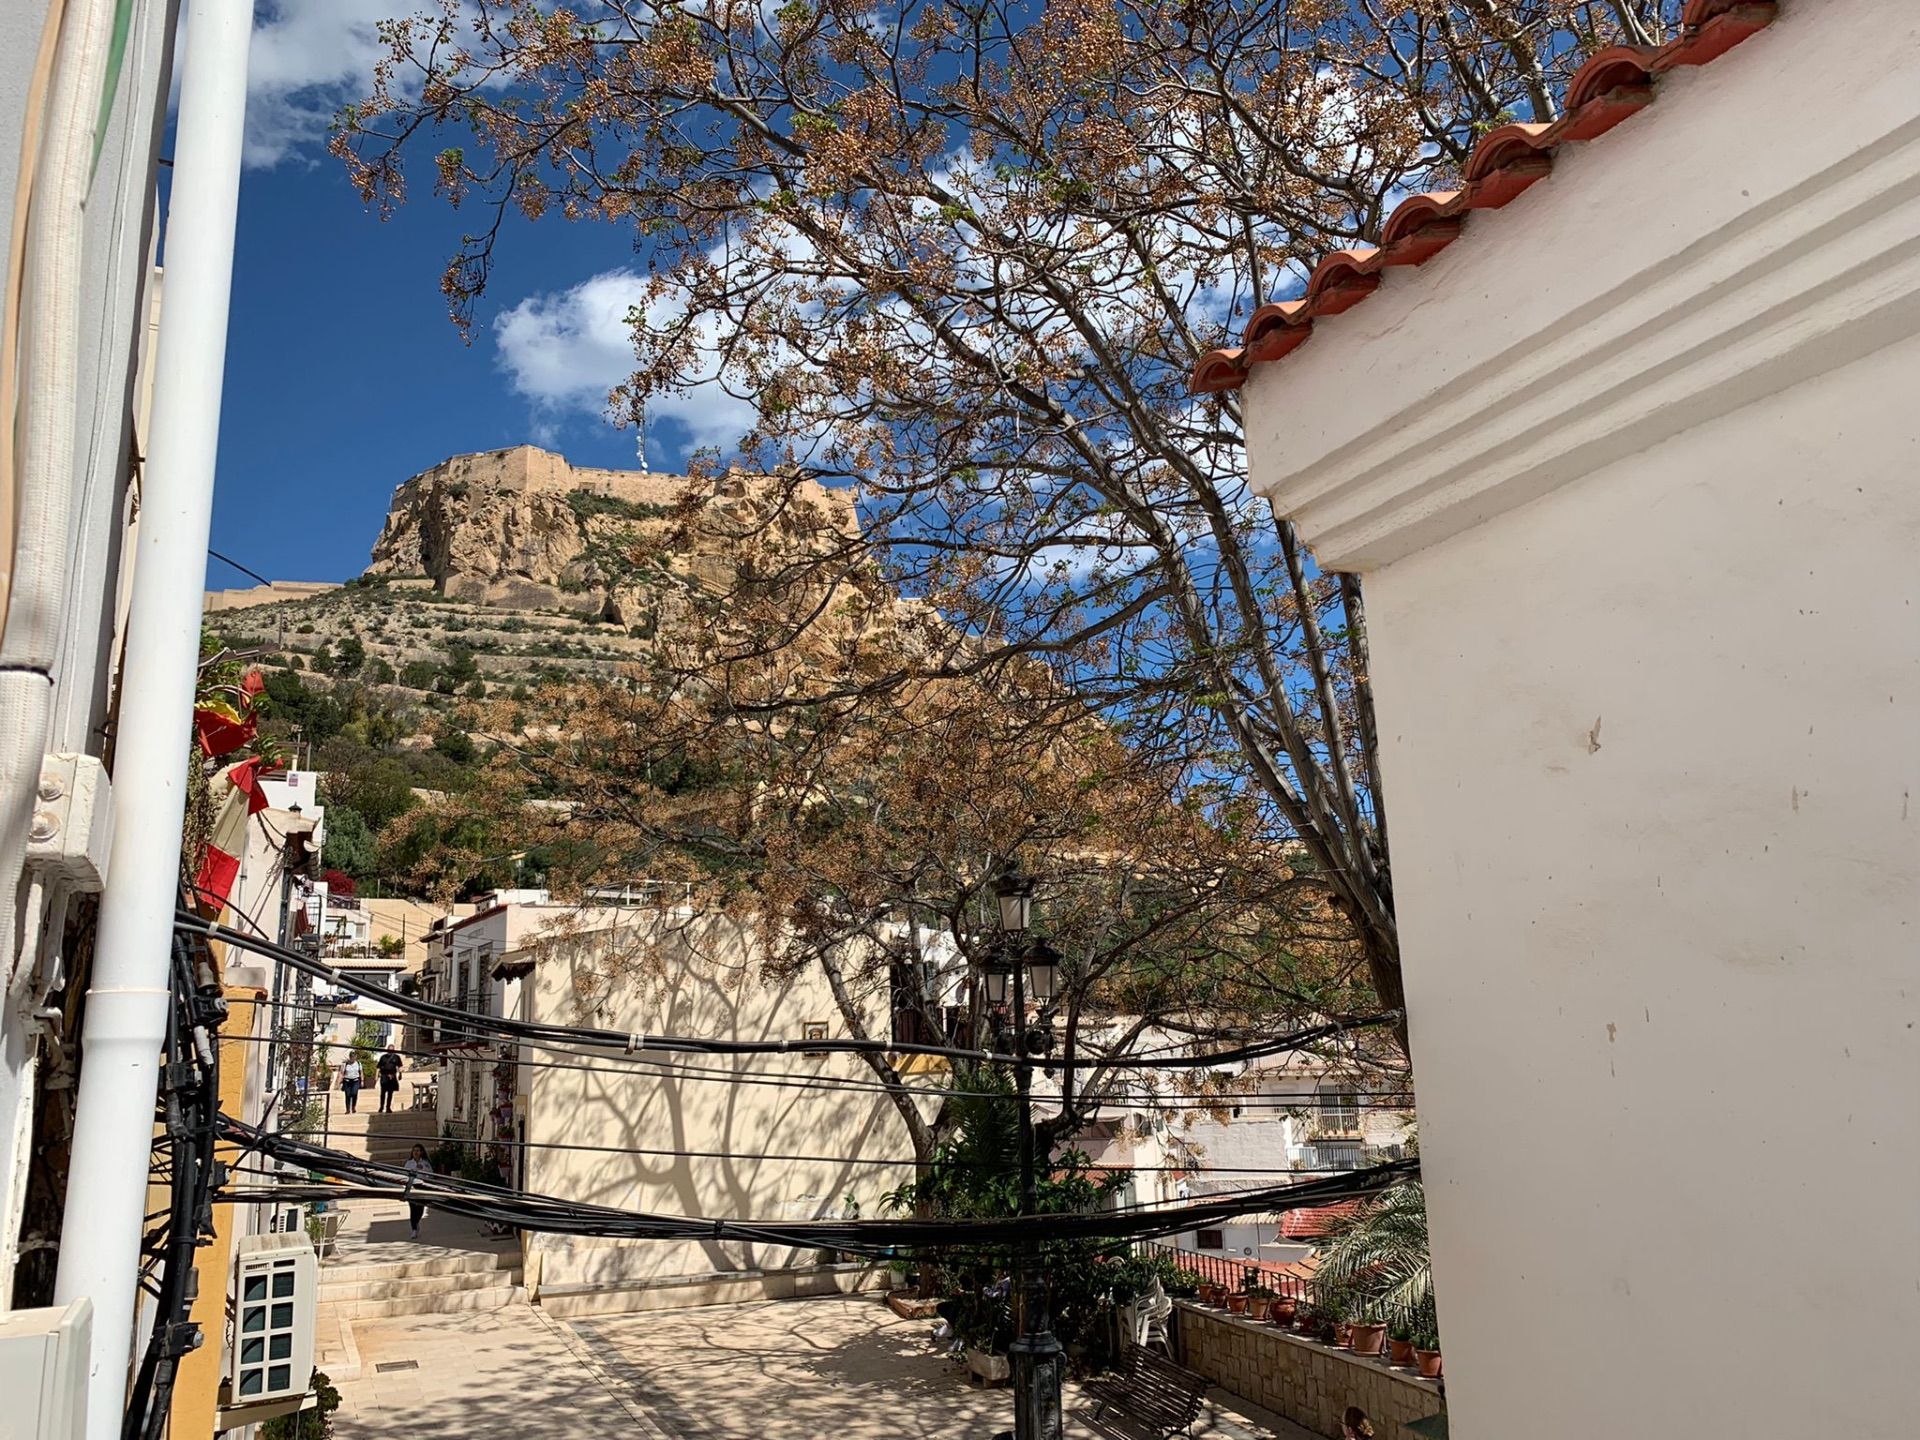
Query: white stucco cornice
[1638,292]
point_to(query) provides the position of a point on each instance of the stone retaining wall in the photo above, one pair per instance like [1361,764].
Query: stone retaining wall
[1309,1383]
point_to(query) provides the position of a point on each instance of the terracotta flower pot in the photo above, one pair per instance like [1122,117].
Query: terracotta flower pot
[1283,1312]
[1399,1352]
[1259,1307]
[1209,1294]
[1305,1324]
[1365,1339]
[1429,1363]
[1236,1304]
[1341,1331]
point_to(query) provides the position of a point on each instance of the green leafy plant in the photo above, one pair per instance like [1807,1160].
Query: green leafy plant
[313,1423]
[1380,1255]
[975,1175]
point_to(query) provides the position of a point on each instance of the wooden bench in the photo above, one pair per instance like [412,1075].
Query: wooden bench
[1150,1389]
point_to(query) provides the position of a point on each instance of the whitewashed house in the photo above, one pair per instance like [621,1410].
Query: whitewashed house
[1628,468]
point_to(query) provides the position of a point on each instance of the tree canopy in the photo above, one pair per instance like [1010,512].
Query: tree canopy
[961,257]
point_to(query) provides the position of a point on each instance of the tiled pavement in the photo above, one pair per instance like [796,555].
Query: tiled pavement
[508,1374]
[843,1368]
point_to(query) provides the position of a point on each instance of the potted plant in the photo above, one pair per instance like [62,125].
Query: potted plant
[1400,1343]
[1237,1303]
[1306,1320]
[1259,1296]
[1284,1309]
[1426,1349]
[982,1325]
[1210,1293]
[1339,1307]
[1369,1330]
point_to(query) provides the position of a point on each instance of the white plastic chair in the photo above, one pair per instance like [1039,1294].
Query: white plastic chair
[328,1242]
[1150,1314]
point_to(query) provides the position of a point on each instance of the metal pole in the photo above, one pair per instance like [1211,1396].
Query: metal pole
[1034,1355]
[283,934]
[126,1015]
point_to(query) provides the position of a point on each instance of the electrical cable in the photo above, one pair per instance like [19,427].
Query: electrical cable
[229,560]
[1306,1100]
[552,1215]
[627,1042]
[188,1109]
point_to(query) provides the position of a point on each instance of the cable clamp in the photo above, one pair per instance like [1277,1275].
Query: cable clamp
[636,1041]
[719,1229]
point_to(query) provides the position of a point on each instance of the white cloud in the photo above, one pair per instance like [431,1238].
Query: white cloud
[309,57]
[563,350]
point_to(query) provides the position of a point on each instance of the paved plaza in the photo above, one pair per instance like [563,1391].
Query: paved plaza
[840,1368]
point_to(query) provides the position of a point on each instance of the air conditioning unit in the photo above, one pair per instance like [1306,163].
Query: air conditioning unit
[44,1356]
[276,1283]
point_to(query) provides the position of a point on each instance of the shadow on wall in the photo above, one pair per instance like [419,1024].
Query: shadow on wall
[701,1138]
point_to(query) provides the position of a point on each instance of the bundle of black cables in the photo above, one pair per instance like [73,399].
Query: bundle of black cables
[574,1037]
[189,1110]
[351,1177]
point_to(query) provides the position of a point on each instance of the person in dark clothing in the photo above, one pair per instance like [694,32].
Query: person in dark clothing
[390,1064]
[417,1165]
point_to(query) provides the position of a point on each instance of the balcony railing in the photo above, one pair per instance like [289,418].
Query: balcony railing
[445,1033]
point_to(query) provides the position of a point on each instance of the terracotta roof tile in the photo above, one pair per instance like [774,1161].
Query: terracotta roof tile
[1612,86]
[1312,1222]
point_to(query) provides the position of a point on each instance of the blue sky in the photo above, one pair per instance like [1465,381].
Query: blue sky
[344,375]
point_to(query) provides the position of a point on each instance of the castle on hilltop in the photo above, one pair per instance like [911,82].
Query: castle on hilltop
[529,470]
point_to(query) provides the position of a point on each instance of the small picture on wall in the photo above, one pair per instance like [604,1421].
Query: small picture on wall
[813,1030]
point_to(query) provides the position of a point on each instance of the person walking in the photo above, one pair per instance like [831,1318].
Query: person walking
[350,1078]
[417,1166]
[390,1066]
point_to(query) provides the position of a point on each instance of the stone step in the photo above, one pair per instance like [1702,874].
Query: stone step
[457,1263]
[494,1297]
[364,1124]
[400,1286]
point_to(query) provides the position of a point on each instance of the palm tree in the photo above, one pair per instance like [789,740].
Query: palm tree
[1379,1255]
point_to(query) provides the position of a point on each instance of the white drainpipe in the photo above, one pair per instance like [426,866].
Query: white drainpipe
[126,1014]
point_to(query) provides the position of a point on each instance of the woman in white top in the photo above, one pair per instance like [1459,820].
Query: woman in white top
[418,1163]
[350,1083]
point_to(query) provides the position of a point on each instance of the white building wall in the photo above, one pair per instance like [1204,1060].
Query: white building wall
[708,984]
[1629,472]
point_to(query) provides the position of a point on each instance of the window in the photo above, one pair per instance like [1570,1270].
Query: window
[1338,1113]
[1210,1239]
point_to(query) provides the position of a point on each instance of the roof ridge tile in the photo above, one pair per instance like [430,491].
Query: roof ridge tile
[1613,85]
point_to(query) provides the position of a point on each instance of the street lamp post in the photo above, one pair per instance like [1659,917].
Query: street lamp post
[1034,1356]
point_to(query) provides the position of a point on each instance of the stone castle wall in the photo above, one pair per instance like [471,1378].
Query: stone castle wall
[528,470]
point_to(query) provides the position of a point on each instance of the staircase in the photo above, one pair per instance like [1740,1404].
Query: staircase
[443,1285]
[379,1272]
[369,1135]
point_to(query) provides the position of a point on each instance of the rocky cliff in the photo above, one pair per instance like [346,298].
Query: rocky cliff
[514,566]
[523,529]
